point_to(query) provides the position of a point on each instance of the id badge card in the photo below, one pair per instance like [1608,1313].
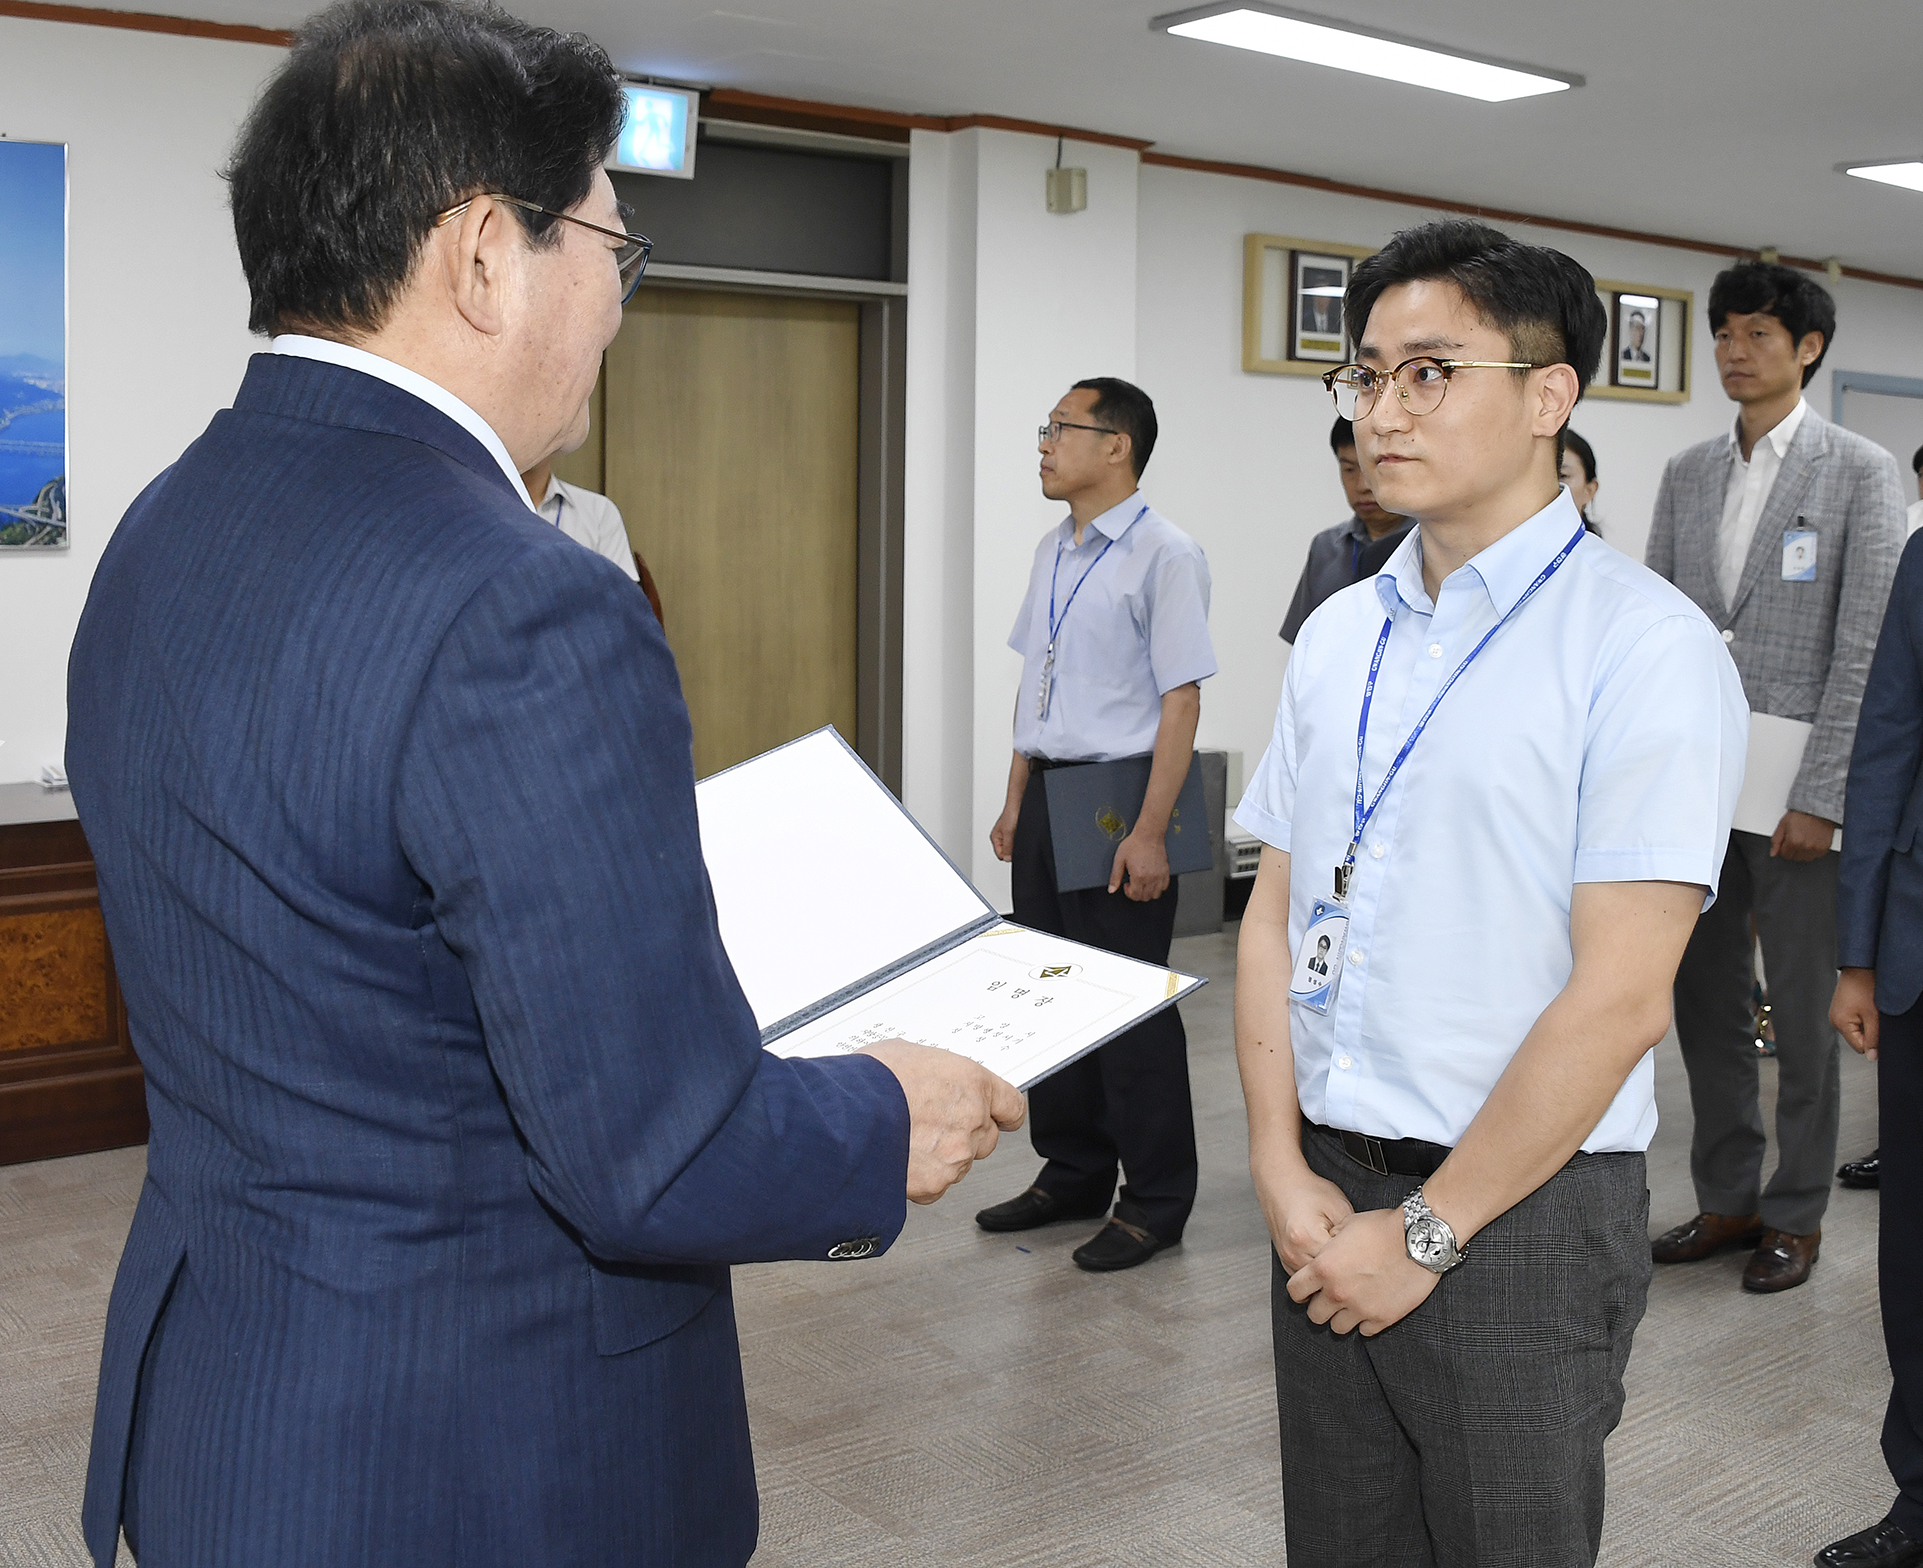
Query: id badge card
[1799,555]
[1318,966]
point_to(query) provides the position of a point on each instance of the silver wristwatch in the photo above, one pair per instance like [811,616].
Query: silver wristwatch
[1430,1241]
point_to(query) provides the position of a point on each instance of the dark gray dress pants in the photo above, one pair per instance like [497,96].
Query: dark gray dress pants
[1470,1434]
[1795,907]
[1126,1105]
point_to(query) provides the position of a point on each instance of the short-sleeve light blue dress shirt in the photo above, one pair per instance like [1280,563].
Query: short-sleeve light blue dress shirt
[1598,738]
[1138,628]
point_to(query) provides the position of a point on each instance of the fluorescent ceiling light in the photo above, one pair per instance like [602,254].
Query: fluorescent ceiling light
[1908,175]
[1296,35]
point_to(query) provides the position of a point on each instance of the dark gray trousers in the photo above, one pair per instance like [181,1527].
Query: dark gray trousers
[1470,1434]
[1795,907]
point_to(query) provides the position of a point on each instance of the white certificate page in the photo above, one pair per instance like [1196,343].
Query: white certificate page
[1019,1002]
[820,878]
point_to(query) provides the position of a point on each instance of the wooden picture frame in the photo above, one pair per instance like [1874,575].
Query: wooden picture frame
[1668,340]
[1272,265]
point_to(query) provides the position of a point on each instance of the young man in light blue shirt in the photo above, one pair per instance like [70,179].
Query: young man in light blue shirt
[1501,781]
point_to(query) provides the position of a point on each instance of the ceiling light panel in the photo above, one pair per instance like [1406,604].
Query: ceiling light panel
[1295,35]
[1908,175]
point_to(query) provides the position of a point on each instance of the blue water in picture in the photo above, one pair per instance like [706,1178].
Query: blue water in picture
[22,474]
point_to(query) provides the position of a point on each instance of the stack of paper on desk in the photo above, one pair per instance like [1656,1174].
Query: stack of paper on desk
[847,925]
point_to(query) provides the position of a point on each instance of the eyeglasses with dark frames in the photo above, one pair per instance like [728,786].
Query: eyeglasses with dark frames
[1051,432]
[630,256]
[1421,383]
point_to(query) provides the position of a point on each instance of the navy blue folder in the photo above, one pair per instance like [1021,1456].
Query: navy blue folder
[1092,807]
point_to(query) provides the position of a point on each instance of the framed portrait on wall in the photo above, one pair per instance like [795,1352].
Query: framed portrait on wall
[1319,282]
[1292,313]
[33,347]
[1646,359]
[1638,339]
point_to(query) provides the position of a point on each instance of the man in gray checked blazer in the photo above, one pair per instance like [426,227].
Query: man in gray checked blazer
[1786,533]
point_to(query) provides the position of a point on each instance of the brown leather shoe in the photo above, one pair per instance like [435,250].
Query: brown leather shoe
[1782,1261]
[1696,1239]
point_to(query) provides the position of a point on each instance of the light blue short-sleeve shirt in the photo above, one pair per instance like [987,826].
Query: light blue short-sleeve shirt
[1137,629]
[1598,738]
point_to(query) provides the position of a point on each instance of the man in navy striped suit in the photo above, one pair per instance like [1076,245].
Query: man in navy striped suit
[459,1115]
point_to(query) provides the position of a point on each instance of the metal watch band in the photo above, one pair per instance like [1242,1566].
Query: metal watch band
[1416,1212]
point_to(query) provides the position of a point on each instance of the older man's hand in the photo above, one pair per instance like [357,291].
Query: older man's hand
[957,1109]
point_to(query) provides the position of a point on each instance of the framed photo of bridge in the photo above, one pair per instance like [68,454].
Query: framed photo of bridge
[33,347]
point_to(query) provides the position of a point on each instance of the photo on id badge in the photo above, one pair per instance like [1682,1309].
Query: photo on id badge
[1318,963]
[1799,555]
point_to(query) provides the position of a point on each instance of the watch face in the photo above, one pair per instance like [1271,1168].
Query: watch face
[1426,1242]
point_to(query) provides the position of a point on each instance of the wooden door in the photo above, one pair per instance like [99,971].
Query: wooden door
[732,448]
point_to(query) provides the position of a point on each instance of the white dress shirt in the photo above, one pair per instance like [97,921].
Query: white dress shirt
[589,518]
[430,392]
[1747,493]
[1598,738]
[1137,629]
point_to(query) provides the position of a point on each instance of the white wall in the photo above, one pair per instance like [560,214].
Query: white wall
[157,311]
[1244,464]
[1009,305]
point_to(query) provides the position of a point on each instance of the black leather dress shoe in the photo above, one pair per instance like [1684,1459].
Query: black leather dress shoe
[1117,1245]
[1883,1545]
[1866,1172]
[1033,1207]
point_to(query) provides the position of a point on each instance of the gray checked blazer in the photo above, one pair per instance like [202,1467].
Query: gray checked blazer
[1802,649]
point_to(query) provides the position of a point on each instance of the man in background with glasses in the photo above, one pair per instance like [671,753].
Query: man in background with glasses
[459,1114]
[1114,640]
[1501,778]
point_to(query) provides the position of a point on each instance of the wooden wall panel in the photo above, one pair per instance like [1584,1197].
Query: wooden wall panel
[55,964]
[69,1080]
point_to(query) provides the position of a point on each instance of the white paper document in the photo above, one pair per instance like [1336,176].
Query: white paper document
[847,925]
[1769,773]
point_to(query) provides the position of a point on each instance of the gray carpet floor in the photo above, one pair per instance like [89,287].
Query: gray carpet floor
[970,1401]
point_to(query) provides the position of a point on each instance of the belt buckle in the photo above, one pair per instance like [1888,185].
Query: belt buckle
[1365,1150]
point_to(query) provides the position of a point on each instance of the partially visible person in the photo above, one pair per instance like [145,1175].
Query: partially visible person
[1578,470]
[1348,551]
[1878,1009]
[1914,516]
[589,518]
[1785,532]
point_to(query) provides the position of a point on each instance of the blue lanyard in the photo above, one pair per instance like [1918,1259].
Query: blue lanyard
[1362,813]
[1055,626]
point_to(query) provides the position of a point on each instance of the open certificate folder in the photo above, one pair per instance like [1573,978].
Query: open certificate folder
[847,926]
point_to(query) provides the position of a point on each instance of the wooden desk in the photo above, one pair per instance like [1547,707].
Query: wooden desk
[69,1080]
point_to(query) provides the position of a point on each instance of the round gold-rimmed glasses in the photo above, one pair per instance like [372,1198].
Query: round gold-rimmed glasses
[1421,383]
[630,256]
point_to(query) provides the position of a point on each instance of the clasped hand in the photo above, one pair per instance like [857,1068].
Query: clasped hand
[1352,1270]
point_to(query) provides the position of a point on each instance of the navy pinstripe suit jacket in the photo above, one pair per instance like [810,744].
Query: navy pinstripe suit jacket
[459,1114]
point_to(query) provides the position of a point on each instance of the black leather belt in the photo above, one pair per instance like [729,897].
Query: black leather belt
[1043,764]
[1389,1156]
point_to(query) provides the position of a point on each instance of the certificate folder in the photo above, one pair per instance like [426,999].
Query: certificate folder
[846,925]
[1092,807]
